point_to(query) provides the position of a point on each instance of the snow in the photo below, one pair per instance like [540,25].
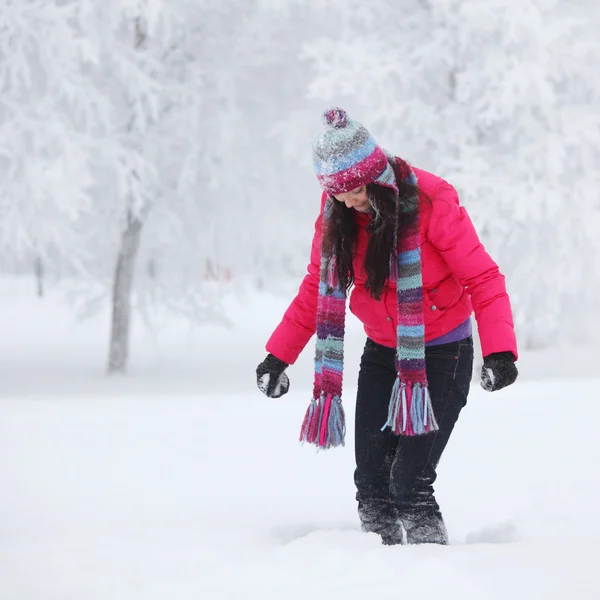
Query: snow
[182,480]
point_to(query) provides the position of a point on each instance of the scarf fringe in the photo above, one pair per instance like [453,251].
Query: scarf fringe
[324,423]
[410,411]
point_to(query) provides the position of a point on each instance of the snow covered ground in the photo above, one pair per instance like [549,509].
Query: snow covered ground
[182,481]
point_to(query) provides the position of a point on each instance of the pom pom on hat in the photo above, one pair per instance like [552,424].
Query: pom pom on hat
[335,117]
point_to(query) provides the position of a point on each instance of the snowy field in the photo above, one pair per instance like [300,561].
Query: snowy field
[182,481]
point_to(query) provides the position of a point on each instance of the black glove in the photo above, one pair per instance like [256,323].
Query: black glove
[270,377]
[498,371]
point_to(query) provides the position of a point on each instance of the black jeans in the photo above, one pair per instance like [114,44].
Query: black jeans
[395,474]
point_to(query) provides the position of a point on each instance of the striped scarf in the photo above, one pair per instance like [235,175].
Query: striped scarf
[410,411]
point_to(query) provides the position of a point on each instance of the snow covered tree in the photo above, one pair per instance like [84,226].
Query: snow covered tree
[137,45]
[183,157]
[502,103]
[47,105]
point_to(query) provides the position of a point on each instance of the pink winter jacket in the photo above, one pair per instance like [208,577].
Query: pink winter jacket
[459,276]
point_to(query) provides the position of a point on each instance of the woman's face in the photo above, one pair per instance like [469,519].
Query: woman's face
[356,199]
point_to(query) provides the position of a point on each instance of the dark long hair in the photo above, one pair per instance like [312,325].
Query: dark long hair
[340,233]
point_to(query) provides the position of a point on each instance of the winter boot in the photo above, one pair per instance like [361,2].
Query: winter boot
[424,527]
[378,516]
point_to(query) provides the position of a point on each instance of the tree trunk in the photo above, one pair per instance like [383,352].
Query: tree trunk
[38,267]
[121,303]
[126,259]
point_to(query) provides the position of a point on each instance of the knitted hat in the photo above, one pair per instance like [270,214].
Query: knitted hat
[346,156]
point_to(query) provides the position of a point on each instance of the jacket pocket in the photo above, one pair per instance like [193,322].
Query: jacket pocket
[443,296]
[365,310]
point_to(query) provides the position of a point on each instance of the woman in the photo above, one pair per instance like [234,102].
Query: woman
[400,238]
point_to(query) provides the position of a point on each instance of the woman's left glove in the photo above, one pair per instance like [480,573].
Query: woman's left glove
[498,371]
[270,377]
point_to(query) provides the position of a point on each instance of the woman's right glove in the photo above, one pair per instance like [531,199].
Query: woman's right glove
[270,377]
